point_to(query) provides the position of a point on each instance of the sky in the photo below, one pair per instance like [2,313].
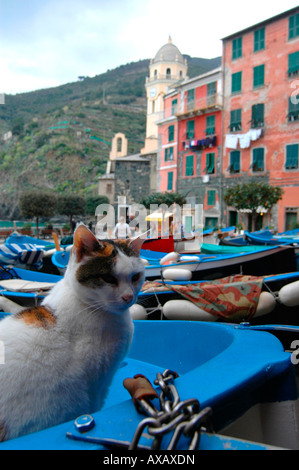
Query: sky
[46,43]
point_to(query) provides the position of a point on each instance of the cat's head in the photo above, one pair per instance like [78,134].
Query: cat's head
[107,274]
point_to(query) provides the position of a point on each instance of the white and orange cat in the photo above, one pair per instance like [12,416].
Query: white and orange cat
[60,357]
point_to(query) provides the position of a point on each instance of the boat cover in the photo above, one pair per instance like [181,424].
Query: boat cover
[26,253]
[233,297]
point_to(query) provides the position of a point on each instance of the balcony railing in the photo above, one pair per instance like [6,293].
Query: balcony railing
[200,106]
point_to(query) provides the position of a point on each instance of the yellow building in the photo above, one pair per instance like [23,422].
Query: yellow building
[168,67]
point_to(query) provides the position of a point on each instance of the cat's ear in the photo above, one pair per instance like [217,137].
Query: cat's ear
[84,242]
[136,243]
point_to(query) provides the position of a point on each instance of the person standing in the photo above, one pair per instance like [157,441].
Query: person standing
[122,229]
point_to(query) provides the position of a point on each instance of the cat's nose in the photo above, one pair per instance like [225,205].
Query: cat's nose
[127,298]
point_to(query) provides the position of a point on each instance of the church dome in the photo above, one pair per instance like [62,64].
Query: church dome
[168,53]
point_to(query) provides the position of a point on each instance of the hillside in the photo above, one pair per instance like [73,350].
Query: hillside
[62,136]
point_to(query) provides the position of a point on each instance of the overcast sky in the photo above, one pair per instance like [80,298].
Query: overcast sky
[46,43]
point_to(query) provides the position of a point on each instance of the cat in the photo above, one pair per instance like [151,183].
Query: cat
[61,356]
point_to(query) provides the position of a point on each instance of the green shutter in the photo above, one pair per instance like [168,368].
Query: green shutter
[293,63]
[190,129]
[211,197]
[234,161]
[294,26]
[170,181]
[210,125]
[210,163]
[189,170]
[258,159]
[211,89]
[237,48]
[174,106]
[259,75]
[257,115]
[292,156]
[235,120]
[236,82]
[259,39]
[170,133]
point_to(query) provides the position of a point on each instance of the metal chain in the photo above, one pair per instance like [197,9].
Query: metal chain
[181,418]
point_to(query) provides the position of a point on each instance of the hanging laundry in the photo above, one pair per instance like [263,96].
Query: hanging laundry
[231,141]
[244,140]
[255,134]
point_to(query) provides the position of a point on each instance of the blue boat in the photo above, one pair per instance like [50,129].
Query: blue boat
[266,261]
[265,237]
[222,378]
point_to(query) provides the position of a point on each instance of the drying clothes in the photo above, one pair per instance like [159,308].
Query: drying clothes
[231,141]
[244,140]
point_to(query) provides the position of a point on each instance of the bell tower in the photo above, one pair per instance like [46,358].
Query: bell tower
[168,67]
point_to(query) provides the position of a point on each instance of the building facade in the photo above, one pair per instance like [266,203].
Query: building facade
[189,155]
[261,113]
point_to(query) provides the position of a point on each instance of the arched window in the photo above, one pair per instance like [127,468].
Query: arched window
[153,106]
[168,73]
[155,73]
[119,144]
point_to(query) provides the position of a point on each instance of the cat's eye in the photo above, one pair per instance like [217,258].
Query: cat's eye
[136,277]
[109,279]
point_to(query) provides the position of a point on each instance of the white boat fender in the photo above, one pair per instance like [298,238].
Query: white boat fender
[170,258]
[266,304]
[185,310]
[289,294]
[49,253]
[144,261]
[188,258]
[68,248]
[177,274]
[138,312]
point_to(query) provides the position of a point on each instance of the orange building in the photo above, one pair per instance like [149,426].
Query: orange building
[261,113]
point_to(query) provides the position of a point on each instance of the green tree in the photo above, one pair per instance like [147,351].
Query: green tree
[92,202]
[17,125]
[70,205]
[163,198]
[36,204]
[253,196]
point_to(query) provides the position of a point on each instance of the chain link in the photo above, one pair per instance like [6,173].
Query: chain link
[182,418]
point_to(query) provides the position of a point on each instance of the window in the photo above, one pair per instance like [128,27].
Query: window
[170,181]
[174,106]
[258,76]
[294,26]
[170,133]
[168,73]
[190,99]
[169,154]
[188,223]
[210,125]
[259,39]
[258,159]
[235,120]
[211,197]
[211,88]
[234,166]
[236,82]
[237,48]
[293,114]
[189,169]
[210,163]
[293,64]
[190,130]
[292,156]
[257,115]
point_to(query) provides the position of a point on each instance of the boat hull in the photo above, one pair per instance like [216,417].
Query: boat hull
[209,360]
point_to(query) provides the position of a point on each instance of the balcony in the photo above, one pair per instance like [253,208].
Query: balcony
[200,106]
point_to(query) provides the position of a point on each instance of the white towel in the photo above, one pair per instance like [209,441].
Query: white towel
[231,141]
